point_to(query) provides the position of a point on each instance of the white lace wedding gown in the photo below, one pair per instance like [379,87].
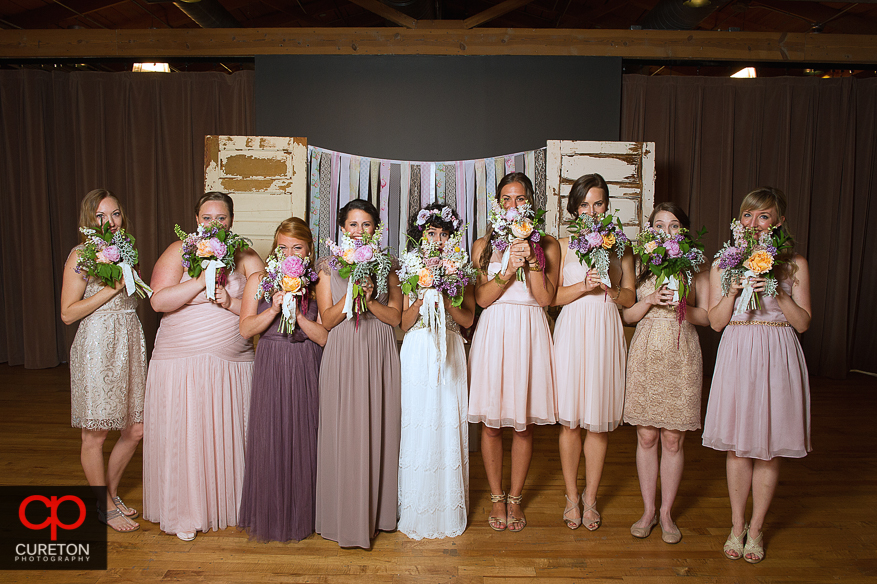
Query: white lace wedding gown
[434,452]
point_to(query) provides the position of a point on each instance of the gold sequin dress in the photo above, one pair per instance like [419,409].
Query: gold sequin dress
[664,370]
[108,365]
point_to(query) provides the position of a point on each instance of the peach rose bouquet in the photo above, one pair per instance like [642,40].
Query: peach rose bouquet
[750,254]
[291,275]
[210,249]
[592,238]
[509,225]
[443,267]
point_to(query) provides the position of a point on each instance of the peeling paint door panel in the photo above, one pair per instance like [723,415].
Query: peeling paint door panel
[266,176]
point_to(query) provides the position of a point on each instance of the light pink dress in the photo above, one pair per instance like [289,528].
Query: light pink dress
[511,362]
[759,404]
[197,407]
[590,353]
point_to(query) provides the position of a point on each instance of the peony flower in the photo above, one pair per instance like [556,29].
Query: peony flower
[608,240]
[510,215]
[447,214]
[759,262]
[522,229]
[672,248]
[594,239]
[433,261]
[347,256]
[218,247]
[363,254]
[293,266]
[205,250]
[422,217]
[651,246]
[425,278]
[290,284]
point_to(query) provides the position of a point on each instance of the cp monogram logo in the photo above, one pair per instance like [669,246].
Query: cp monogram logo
[52,504]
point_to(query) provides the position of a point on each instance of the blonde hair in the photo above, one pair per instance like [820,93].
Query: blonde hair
[297,229]
[88,209]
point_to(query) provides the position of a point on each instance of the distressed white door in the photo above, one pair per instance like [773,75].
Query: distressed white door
[629,170]
[266,177]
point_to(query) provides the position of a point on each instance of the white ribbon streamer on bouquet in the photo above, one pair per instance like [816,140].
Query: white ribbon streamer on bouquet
[746,297]
[288,308]
[673,284]
[210,276]
[505,264]
[132,278]
[433,312]
[348,300]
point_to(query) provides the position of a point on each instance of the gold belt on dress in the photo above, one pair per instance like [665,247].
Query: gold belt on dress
[759,322]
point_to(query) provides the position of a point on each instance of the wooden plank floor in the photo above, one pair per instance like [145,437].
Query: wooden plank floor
[822,525]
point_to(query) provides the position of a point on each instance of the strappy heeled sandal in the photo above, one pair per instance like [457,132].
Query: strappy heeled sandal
[572,523]
[596,522]
[517,523]
[734,543]
[110,514]
[753,548]
[126,511]
[644,532]
[497,523]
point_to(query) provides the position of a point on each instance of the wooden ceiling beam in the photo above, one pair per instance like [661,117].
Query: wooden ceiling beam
[387,12]
[744,47]
[494,12]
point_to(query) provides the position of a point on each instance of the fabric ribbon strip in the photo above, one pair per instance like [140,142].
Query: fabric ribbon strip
[433,312]
[748,293]
[132,278]
[210,276]
[289,309]
[673,284]
[348,300]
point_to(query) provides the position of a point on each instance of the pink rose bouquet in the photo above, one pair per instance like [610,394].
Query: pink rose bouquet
[358,260]
[292,275]
[109,256]
[211,248]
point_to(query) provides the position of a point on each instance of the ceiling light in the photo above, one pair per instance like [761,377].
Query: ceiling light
[151,68]
[745,73]
[696,3]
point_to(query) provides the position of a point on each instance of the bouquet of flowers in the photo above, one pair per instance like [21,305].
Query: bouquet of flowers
[673,259]
[519,222]
[210,248]
[751,254]
[592,238]
[357,260]
[108,256]
[291,275]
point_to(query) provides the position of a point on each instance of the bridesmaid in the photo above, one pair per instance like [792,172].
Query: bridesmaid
[664,382]
[107,364]
[511,362]
[197,392]
[281,471]
[434,453]
[590,352]
[358,444]
[759,404]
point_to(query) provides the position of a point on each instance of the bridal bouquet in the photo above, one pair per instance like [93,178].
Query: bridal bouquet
[751,254]
[292,275]
[592,238]
[441,267]
[519,222]
[109,256]
[673,259]
[357,260]
[211,249]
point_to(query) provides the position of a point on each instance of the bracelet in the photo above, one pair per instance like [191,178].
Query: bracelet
[614,298]
[536,268]
[499,281]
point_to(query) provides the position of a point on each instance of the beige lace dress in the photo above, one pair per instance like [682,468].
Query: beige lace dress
[108,365]
[664,370]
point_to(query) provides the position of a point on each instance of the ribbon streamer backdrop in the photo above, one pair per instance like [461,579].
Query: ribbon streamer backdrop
[400,188]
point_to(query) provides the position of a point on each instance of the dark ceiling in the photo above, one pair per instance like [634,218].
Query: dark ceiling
[745,15]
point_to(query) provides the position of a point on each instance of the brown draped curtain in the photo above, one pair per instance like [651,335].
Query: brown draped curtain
[716,139]
[62,134]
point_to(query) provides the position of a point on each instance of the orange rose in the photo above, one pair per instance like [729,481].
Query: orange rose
[523,229]
[425,278]
[347,256]
[609,240]
[759,262]
[205,250]
[290,284]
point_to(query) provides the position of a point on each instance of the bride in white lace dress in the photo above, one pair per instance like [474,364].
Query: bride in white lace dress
[434,452]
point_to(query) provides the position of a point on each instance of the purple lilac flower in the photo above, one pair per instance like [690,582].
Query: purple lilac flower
[656,260]
[535,237]
[730,257]
[500,244]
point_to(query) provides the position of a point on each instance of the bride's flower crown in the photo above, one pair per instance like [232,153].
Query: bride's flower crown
[445,213]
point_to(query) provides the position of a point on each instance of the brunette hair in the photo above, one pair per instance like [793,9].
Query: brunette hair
[415,231]
[579,191]
[361,205]
[298,229]
[773,198]
[88,209]
[512,177]
[215,196]
[677,212]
